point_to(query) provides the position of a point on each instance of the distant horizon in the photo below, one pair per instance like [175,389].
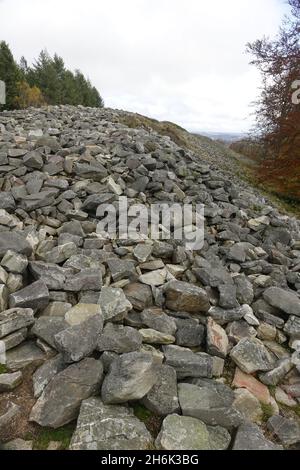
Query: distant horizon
[203,132]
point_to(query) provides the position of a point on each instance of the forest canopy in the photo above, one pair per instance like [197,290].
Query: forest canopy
[46,81]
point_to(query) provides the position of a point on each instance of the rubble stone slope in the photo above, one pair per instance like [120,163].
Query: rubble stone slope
[106,325]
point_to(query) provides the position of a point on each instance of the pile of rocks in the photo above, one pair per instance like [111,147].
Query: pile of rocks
[208,340]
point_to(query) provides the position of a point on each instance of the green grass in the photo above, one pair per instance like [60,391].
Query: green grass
[46,435]
[3,369]
[152,421]
[272,389]
[297,410]
[141,412]
[268,411]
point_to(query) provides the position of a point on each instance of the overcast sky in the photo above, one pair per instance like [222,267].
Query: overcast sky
[177,60]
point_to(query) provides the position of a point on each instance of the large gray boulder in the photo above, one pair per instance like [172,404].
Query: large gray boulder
[186,297]
[45,328]
[121,269]
[15,242]
[156,319]
[189,332]
[287,430]
[45,373]
[119,339]
[162,399]
[190,364]
[180,433]
[14,262]
[130,377]
[250,437]
[33,160]
[52,275]
[285,300]
[38,200]
[114,304]
[85,280]
[7,201]
[35,296]
[139,295]
[79,341]
[292,327]
[60,402]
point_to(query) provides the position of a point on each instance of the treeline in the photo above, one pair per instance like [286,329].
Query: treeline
[278,114]
[47,81]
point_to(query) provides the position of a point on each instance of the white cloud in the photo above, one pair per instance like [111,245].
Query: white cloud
[178,60]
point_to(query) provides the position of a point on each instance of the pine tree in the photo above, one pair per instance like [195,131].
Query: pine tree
[23,67]
[46,82]
[44,75]
[9,73]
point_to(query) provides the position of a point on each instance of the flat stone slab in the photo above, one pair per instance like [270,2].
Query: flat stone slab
[259,390]
[52,275]
[251,355]
[250,437]
[81,312]
[17,444]
[210,402]
[109,427]
[151,336]
[287,430]
[9,382]
[24,355]
[15,319]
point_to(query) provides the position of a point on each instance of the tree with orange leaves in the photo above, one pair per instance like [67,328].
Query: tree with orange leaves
[28,96]
[278,114]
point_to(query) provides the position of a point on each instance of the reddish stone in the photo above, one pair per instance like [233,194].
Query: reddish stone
[259,390]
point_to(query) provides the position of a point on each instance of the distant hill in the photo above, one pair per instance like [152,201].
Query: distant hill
[223,136]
